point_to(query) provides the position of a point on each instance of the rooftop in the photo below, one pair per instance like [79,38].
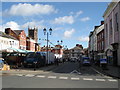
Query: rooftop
[2,34]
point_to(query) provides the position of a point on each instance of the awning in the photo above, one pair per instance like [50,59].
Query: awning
[16,50]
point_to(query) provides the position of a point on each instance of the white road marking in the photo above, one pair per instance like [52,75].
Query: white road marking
[100,79]
[89,79]
[112,80]
[75,71]
[41,76]
[98,72]
[29,75]
[63,77]
[53,77]
[75,78]
[19,74]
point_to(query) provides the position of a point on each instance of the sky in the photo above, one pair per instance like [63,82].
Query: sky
[71,22]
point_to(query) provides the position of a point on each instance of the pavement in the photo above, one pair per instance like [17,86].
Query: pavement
[113,71]
[22,70]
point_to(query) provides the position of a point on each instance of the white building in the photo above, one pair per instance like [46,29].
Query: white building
[112,32]
[7,41]
[76,52]
[93,44]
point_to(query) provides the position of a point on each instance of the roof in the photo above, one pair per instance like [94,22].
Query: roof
[7,36]
[76,47]
[110,7]
[18,31]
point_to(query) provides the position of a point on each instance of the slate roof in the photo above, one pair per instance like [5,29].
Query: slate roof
[2,34]
[18,31]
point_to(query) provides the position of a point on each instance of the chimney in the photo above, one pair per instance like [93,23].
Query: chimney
[102,22]
[8,31]
[96,27]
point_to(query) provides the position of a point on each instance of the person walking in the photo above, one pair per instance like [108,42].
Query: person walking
[57,61]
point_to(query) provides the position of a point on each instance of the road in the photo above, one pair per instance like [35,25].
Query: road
[67,75]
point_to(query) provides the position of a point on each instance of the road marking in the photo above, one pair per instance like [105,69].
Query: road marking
[75,71]
[63,77]
[75,78]
[41,76]
[112,80]
[97,71]
[100,79]
[20,75]
[29,75]
[89,79]
[53,77]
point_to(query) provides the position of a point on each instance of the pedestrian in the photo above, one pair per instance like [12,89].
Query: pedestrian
[63,60]
[57,61]
[80,63]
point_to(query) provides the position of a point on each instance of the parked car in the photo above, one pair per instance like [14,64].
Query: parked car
[34,59]
[15,59]
[86,61]
[73,59]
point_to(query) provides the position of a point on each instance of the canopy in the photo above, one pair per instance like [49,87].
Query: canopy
[16,50]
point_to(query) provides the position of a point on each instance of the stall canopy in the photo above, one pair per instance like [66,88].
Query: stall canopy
[15,50]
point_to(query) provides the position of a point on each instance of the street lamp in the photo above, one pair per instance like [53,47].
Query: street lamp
[60,42]
[47,33]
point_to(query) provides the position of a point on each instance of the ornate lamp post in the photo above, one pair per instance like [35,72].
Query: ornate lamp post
[47,33]
[59,42]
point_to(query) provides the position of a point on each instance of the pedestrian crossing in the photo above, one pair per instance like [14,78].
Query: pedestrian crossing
[68,78]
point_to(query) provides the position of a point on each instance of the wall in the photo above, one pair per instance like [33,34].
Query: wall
[115,37]
[5,43]
[22,40]
[30,44]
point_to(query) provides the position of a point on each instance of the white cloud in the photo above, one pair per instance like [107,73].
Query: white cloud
[63,20]
[83,39]
[85,19]
[71,13]
[29,9]
[58,28]
[68,33]
[33,24]
[13,25]
[78,13]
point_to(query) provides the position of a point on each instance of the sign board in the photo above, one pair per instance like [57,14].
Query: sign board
[103,61]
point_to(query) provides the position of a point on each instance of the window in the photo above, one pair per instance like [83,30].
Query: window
[116,21]
[111,27]
[10,43]
[106,29]
[102,35]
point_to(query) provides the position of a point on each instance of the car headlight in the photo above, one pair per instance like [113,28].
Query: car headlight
[35,62]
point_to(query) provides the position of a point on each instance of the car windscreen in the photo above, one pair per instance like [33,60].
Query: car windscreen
[31,55]
[86,60]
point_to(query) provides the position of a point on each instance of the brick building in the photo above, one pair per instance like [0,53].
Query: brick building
[18,34]
[30,44]
[100,41]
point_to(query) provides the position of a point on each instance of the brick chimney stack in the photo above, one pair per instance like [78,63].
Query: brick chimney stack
[8,31]
[102,22]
